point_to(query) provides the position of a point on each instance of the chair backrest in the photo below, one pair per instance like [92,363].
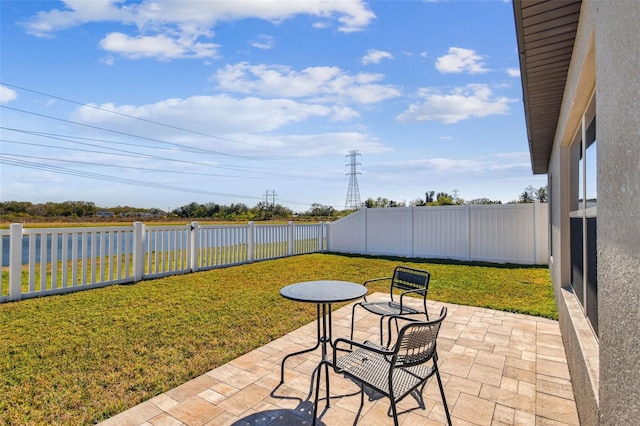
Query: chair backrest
[406,278]
[416,342]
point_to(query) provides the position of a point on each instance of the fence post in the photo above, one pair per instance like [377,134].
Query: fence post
[251,242]
[327,236]
[192,253]
[321,237]
[412,232]
[15,262]
[469,222]
[291,238]
[536,240]
[366,232]
[138,251]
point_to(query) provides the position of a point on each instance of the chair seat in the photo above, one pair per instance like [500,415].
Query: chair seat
[397,370]
[373,368]
[388,308]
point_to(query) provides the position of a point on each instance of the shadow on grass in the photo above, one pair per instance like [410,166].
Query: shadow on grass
[422,260]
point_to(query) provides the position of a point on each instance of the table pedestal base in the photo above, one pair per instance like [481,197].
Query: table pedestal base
[324,334]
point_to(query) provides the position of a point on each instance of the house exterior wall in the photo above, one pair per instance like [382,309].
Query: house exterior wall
[605,61]
[580,343]
[618,132]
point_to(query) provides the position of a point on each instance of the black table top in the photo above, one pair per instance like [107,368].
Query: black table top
[324,291]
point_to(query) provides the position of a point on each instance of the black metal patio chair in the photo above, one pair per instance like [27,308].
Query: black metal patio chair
[398,371]
[405,280]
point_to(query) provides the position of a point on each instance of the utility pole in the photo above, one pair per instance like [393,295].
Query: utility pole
[269,193]
[455,195]
[353,193]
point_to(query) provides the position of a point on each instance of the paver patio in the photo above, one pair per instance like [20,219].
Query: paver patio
[498,368]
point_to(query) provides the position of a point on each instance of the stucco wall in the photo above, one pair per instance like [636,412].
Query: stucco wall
[605,370]
[580,344]
[618,136]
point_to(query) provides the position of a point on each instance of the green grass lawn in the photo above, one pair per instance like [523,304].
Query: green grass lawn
[83,357]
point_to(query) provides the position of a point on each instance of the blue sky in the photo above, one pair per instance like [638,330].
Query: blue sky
[161,103]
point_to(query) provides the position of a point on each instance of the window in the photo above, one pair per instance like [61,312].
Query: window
[583,215]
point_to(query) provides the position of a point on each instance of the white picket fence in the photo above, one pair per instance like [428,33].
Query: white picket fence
[84,258]
[510,233]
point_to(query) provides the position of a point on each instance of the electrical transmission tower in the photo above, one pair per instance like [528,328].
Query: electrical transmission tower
[269,193]
[353,193]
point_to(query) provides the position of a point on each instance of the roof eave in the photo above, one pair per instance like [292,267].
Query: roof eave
[545,43]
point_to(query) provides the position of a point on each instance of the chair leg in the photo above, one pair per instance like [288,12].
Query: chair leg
[420,397]
[444,400]
[390,336]
[353,319]
[394,410]
[315,403]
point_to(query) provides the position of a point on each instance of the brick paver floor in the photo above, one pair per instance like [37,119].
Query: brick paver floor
[498,368]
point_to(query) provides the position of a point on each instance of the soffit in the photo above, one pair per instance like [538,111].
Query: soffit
[546,31]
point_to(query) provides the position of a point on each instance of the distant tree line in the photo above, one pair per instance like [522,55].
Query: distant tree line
[69,209]
[75,210]
[261,211]
[72,210]
[529,195]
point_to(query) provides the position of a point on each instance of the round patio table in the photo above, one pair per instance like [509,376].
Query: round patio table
[323,293]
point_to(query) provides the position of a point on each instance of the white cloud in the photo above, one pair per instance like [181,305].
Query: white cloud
[473,100]
[78,12]
[321,84]
[325,144]
[263,41]
[173,29]
[246,126]
[160,47]
[459,60]
[217,115]
[342,113]
[108,60]
[460,166]
[353,15]
[513,72]
[374,56]
[7,95]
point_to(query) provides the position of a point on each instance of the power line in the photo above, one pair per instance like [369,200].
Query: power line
[67,138]
[125,153]
[70,139]
[133,154]
[130,155]
[97,176]
[127,115]
[353,193]
[127,134]
[119,166]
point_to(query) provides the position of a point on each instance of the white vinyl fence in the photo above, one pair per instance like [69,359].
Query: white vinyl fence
[509,233]
[45,261]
